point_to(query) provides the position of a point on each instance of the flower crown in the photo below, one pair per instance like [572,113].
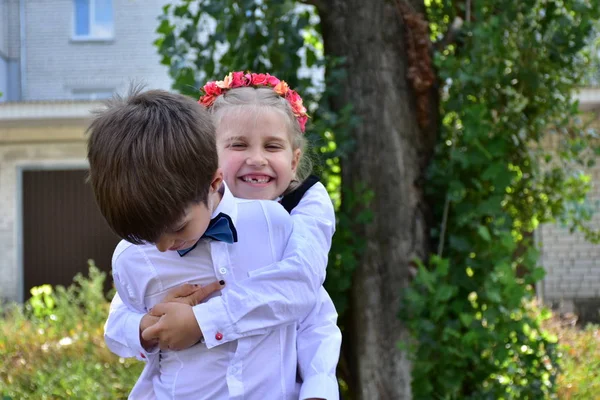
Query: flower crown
[238,79]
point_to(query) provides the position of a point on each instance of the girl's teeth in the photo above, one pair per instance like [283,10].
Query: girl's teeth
[256,180]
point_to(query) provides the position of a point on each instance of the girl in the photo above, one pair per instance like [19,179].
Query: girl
[260,123]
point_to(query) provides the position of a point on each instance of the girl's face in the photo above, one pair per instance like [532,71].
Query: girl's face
[255,154]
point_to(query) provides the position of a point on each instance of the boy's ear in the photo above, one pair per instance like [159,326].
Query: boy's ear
[296,159]
[217,181]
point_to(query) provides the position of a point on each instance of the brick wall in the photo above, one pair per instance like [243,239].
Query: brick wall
[572,264]
[3,29]
[56,64]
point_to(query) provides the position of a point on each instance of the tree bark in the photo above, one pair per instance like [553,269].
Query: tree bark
[391,152]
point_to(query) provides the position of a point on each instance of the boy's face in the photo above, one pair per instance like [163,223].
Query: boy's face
[189,229]
[256,155]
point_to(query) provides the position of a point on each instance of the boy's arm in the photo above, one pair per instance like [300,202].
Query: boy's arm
[318,343]
[121,329]
[283,292]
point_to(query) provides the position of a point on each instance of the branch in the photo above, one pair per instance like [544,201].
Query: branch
[468,11]
[450,37]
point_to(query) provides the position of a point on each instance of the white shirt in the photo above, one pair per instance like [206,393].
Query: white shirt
[269,298]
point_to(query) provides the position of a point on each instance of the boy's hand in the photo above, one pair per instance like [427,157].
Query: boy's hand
[192,294]
[176,329]
[147,321]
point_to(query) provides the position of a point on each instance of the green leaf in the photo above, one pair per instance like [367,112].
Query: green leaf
[484,233]
[466,319]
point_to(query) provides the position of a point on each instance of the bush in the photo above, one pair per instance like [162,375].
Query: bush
[53,346]
[580,360]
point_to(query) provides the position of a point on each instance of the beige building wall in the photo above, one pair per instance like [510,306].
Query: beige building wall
[42,142]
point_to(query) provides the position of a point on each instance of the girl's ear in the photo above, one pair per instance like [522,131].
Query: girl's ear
[296,159]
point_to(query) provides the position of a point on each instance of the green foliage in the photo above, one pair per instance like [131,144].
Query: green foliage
[509,158]
[53,347]
[592,77]
[201,40]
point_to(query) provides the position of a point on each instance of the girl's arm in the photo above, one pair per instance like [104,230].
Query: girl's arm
[283,292]
[318,343]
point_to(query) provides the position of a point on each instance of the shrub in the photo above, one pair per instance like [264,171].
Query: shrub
[580,360]
[53,346]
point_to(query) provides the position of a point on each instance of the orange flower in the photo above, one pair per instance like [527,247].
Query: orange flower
[281,88]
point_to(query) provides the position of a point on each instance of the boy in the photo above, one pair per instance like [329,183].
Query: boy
[154,171]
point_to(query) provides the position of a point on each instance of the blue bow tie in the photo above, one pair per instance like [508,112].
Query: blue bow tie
[220,228]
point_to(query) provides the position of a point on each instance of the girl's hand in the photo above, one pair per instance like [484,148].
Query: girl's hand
[192,294]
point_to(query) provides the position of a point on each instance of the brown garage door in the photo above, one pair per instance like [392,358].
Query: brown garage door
[62,228]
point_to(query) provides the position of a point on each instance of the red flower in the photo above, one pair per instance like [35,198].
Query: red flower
[259,80]
[273,81]
[207,100]
[212,89]
[302,121]
[237,79]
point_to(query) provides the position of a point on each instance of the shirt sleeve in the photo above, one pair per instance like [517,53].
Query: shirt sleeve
[121,331]
[315,212]
[122,328]
[283,292]
[318,343]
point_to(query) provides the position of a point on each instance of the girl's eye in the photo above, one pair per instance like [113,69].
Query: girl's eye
[181,229]
[238,145]
[274,147]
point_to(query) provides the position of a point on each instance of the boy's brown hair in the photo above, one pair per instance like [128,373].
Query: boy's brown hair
[151,155]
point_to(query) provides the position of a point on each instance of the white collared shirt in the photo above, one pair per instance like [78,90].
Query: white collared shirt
[260,303]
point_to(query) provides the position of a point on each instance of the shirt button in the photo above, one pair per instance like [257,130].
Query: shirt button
[219,336]
[223,270]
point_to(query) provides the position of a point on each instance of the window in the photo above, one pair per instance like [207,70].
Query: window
[93,19]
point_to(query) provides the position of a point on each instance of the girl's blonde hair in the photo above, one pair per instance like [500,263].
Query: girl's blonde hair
[261,98]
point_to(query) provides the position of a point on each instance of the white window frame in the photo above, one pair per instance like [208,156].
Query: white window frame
[93,35]
[92,94]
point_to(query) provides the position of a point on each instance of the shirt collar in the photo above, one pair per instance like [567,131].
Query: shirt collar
[227,205]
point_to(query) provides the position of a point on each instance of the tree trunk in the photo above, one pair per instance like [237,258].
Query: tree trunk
[393,144]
